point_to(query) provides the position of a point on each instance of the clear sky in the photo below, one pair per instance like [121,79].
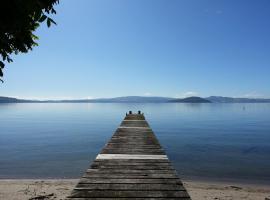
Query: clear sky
[176,48]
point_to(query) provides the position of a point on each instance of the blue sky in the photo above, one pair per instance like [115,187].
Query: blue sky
[176,48]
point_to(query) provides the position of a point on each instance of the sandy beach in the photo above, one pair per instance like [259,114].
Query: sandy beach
[34,189]
[226,191]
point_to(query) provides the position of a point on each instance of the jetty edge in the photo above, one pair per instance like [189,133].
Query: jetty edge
[132,165]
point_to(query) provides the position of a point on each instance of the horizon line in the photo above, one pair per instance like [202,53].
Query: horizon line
[144,96]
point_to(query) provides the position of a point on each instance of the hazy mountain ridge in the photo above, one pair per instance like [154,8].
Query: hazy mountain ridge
[14,100]
[142,99]
[126,99]
[220,99]
[190,100]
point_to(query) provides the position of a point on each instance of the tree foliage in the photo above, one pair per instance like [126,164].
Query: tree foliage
[18,21]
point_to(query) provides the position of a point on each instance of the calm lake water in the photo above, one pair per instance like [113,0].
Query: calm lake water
[205,141]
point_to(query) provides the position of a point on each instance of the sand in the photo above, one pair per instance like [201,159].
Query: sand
[226,191]
[26,189]
[58,189]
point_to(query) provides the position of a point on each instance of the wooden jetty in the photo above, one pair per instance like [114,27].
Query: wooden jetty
[132,165]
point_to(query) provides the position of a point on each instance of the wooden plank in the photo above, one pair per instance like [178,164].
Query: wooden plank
[133,151]
[134,120]
[127,194]
[132,167]
[128,180]
[128,161]
[131,156]
[119,145]
[129,176]
[142,187]
[134,124]
[134,127]
[130,171]
[134,198]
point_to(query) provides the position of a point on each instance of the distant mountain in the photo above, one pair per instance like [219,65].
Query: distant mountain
[137,99]
[127,99]
[15,100]
[190,100]
[219,99]
[8,100]
[140,99]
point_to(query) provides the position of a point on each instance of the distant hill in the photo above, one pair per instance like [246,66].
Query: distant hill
[14,100]
[140,99]
[190,100]
[127,99]
[8,100]
[219,99]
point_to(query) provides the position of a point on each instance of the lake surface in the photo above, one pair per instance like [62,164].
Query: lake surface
[204,141]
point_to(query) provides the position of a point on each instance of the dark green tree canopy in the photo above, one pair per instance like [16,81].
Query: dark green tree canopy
[18,21]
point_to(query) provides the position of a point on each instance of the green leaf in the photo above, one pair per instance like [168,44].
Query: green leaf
[43,17]
[53,11]
[2,65]
[52,21]
[48,22]
[34,37]
[9,59]
[1,73]
[37,15]
[35,44]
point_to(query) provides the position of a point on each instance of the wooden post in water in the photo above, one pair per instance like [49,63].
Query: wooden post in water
[132,165]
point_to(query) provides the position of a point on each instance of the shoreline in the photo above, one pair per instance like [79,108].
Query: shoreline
[246,182]
[25,189]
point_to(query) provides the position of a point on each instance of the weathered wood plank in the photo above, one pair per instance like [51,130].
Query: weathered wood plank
[127,180]
[129,176]
[133,167]
[134,186]
[133,151]
[137,127]
[131,156]
[138,146]
[130,171]
[132,161]
[134,198]
[127,194]
[135,123]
